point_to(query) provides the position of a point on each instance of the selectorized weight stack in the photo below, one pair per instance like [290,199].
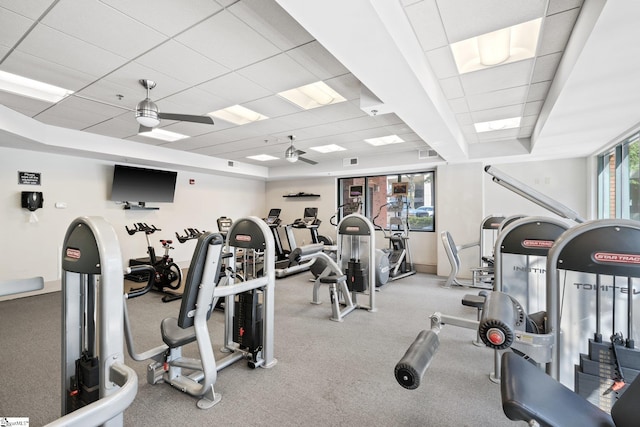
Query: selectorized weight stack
[356,256]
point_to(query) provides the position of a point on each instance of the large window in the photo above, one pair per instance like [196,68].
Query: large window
[391,201]
[619,181]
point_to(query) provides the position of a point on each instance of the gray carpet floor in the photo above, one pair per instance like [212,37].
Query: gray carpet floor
[328,373]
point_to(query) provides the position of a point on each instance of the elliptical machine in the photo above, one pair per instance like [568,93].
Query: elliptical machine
[399,252]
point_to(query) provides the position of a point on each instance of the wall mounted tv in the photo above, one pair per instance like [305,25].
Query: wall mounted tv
[132,184]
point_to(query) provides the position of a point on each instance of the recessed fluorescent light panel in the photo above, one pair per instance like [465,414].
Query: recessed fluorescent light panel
[499,47]
[384,140]
[238,115]
[163,135]
[32,88]
[494,125]
[262,157]
[327,148]
[313,95]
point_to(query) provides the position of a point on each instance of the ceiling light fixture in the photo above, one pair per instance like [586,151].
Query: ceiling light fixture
[262,157]
[312,95]
[163,135]
[147,113]
[494,125]
[30,88]
[331,148]
[384,140]
[291,154]
[237,114]
[499,47]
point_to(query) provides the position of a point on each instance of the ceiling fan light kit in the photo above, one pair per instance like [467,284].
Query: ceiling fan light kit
[148,115]
[291,154]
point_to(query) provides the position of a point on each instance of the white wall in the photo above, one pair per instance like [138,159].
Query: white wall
[33,248]
[459,210]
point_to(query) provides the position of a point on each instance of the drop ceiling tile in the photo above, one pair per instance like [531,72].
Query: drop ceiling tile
[346,85]
[179,61]
[12,27]
[70,17]
[317,60]
[31,9]
[528,121]
[532,108]
[538,91]
[463,19]
[192,101]
[556,6]
[452,88]
[546,67]
[40,69]
[128,76]
[338,112]
[498,98]
[123,126]
[497,113]
[235,88]
[228,41]
[278,73]
[464,119]
[27,106]
[59,48]
[425,20]
[442,63]
[459,105]
[556,31]
[76,113]
[502,77]
[272,106]
[300,120]
[166,16]
[272,22]
[192,129]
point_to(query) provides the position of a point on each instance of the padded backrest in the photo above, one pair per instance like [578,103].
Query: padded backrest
[194,277]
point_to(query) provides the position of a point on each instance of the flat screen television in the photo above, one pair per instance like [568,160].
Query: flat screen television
[133,184]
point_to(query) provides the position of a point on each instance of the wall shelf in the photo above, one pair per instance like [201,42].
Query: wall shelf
[301,195]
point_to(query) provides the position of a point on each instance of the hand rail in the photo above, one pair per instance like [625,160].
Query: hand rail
[106,408]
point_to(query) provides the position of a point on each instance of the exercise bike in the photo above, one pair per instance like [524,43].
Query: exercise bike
[167,273]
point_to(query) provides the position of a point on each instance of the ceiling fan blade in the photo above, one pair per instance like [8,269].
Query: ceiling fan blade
[300,152]
[311,162]
[186,118]
[143,129]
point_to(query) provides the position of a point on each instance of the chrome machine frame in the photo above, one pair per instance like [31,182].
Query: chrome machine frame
[92,269]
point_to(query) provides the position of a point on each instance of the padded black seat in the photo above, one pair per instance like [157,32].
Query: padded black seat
[333,279]
[528,393]
[175,336]
[475,301]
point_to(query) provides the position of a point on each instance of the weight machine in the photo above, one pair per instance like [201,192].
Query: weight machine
[249,313]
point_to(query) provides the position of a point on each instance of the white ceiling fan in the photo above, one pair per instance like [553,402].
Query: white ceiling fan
[148,115]
[293,155]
